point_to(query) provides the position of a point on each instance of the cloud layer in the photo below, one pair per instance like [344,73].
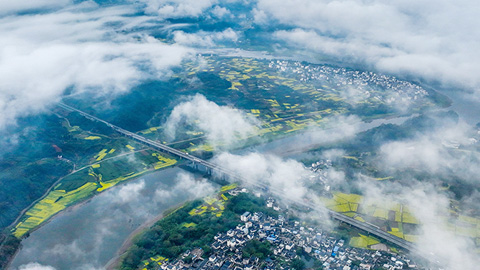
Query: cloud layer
[222,125]
[80,47]
[436,241]
[432,40]
[284,176]
[87,237]
[435,151]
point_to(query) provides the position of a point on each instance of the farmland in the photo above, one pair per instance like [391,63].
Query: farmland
[89,181]
[106,161]
[193,225]
[394,218]
[286,102]
[79,158]
[363,241]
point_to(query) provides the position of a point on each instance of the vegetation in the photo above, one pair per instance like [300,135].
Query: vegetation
[87,182]
[169,237]
[88,157]
[9,247]
[258,249]
[297,264]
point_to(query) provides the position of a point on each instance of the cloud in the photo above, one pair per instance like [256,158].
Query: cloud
[447,247]
[284,176]
[431,40]
[178,8]
[339,128]
[129,192]
[81,47]
[223,126]
[336,129]
[205,39]
[436,240]
[435,151]
[220,12]
[35,266]
[199,188]
[71,250]
[15,6]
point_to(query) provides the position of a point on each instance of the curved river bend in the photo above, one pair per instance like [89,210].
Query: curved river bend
[88,235]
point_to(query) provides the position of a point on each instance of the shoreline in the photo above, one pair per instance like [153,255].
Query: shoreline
[79,204]
[115,261]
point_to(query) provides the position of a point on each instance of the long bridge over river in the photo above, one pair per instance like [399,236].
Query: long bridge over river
[212,168]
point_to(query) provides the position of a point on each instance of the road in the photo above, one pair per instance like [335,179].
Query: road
[214,168]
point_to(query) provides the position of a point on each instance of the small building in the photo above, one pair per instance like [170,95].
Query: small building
[245,216]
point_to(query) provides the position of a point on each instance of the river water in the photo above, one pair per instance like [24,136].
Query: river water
[87,236]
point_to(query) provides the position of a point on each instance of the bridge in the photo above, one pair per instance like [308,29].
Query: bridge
[212,168]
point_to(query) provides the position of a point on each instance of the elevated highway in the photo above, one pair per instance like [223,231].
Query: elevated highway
[218,170]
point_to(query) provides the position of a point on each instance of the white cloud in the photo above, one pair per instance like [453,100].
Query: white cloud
[129,192]
[220,12]
[178,8]
[204,39]
[35,266]
[435,152]
[200,188]
[433,40]
[284,176]
[335,129]
[223,126]
[435,240]
[13,6]
[43,54]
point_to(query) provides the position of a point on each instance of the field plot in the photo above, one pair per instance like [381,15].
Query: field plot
[89,181]
[55,201]
[288,96]
[395,218]
[212,205]
[363,241]
[392,219]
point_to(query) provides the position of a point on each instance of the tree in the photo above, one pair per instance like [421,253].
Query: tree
[297,264]
[258,249]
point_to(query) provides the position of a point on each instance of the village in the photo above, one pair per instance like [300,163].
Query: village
[367,85]
[289,241]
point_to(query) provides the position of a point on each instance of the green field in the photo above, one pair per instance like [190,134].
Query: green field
[393,218]
[191,226]
[283,102]
[88,182]
[94,158]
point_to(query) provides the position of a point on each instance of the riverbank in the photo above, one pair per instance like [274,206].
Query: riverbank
[90,234]
[114,263]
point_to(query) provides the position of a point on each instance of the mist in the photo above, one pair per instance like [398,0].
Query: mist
[48,47]
[223,126]
[82,47]
[87,236]
[433,41]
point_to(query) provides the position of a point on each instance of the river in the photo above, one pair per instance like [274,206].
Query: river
[88,235]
